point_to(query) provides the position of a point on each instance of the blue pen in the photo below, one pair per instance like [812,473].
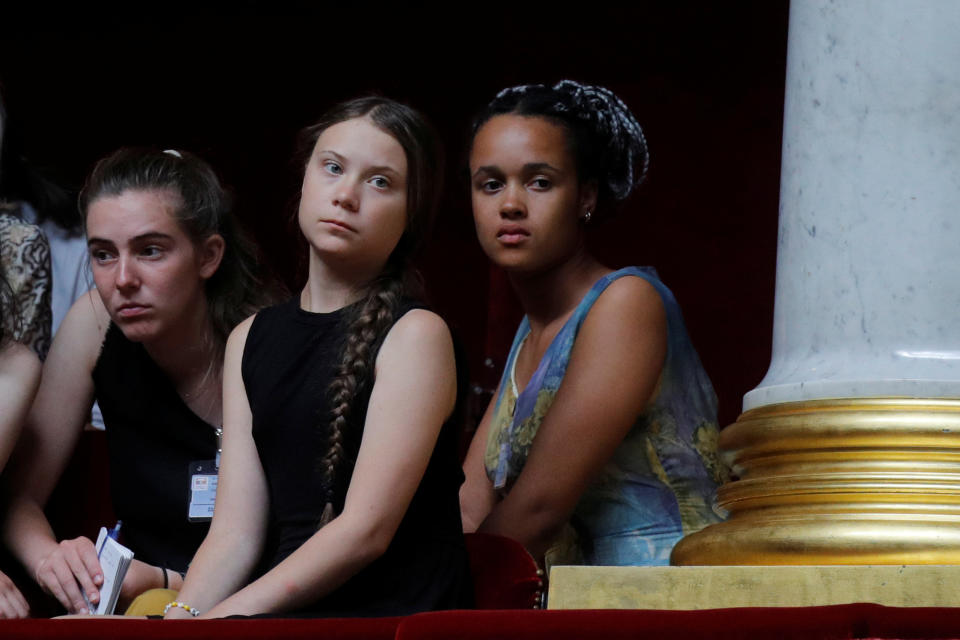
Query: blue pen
[114,533]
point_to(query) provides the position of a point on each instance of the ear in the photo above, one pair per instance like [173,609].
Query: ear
[209,255]
[588,198]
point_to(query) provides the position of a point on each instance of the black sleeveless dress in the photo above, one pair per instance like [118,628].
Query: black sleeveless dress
[152,437]
[288,362]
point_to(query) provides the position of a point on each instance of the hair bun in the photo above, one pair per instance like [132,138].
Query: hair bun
[612,120]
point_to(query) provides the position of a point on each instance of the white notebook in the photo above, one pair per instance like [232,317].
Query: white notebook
[114,560]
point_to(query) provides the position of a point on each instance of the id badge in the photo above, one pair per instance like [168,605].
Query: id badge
[203,490]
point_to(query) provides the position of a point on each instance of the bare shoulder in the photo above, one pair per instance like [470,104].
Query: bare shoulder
[88,314]
[625,332]
[417,329]
[418,354]
[631,292]
[19,360]
[82,331]
[628,299]
[238,337]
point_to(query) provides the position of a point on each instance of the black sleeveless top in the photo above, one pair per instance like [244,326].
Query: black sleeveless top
[290,357]
[152,437]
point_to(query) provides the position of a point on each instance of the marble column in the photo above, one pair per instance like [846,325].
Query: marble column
[849,449]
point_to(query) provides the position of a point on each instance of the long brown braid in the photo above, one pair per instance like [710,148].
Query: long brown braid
[366,329]
[369,320]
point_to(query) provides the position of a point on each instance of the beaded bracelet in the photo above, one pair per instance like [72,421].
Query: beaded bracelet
[182,605]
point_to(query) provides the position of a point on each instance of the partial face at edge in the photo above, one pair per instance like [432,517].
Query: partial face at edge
[526,196]
[353,206]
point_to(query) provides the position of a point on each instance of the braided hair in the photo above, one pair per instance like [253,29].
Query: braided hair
[605,138]
[368,321]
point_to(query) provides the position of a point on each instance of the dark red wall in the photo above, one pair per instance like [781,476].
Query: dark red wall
[235,81]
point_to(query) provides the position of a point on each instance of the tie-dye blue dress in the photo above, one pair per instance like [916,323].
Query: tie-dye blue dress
[660,483]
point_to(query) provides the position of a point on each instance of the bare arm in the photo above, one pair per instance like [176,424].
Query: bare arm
[19,377]
[234,542]
[477,497]
[613,370]
[50,433]
[414,392]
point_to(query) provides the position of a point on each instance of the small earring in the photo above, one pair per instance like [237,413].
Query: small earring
[586,217]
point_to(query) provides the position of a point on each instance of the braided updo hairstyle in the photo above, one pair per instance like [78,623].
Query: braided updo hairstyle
[604,137]
[369,319]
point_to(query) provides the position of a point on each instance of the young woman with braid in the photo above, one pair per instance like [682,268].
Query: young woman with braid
[338,489]
[173,277]
[599,445]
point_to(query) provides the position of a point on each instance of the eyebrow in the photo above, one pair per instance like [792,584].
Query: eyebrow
[384,169]
[539,166]
[375,169]
[150,235]
[332,153]
[530,167]
[487,169]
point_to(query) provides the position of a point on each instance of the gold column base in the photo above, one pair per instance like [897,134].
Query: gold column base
[850,481]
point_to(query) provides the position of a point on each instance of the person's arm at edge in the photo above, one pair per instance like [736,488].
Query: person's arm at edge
[477,497]
[50,434]
[19,378]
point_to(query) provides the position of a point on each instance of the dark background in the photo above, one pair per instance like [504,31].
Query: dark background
[235,81]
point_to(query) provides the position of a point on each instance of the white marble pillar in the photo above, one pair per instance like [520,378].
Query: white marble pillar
[848,452]
[868,263]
